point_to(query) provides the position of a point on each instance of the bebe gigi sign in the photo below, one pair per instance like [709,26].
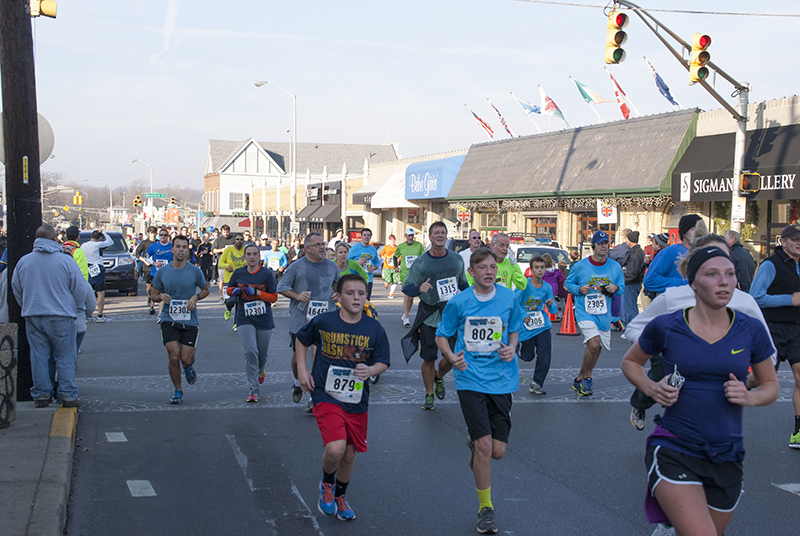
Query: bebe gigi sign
[432,179]
[423,184]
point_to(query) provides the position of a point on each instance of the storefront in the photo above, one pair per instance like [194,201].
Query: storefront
[322,213]
[428,183]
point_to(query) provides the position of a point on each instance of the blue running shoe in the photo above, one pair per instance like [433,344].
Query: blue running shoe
[191,375]
[343,510]
[326,504]
[177,398]
[587,386]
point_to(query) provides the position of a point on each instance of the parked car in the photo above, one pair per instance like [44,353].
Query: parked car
[526,252]
[119,263]
[457,244]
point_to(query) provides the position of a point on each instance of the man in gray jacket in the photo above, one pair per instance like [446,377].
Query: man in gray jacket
[51,290]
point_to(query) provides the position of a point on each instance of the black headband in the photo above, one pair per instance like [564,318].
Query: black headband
[699,258]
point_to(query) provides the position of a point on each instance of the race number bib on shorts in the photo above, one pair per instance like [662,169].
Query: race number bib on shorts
[274,263]
[482,334]
[316,308]
[342,385]
[533,320]
[447,288]
[255,308]
[94,270]
[595,303]
[410,260]
[179,310]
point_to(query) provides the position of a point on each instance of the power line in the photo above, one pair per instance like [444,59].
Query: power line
[686,11]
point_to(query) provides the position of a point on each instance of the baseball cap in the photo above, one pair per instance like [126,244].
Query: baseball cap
[410,231]
[264,236]
[791,231]
[599,236]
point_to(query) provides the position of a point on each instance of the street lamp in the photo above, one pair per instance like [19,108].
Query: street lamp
[150,203]
[294,147]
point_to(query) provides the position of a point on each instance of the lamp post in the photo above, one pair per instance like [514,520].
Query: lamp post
[150,201]
[293,205]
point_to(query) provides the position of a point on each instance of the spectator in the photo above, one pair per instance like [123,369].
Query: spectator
[742,260]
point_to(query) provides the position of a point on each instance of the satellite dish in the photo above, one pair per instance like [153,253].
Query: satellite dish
[46,140]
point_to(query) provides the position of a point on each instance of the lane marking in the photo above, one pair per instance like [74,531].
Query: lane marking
[241,459]
[141,488]
[116,437]
[791,488]
[310,515]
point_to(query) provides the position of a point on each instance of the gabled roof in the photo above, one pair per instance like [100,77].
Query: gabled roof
[310,156]
[630,156]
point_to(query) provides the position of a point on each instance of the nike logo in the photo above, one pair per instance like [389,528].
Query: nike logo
[736,351]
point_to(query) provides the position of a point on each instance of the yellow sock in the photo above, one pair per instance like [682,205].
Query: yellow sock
[485,497]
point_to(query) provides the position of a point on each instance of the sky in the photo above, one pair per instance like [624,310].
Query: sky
[154,80]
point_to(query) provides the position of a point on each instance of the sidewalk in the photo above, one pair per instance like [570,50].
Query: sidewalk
[36,469]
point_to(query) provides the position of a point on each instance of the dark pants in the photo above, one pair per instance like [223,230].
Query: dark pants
[540,347]
[369,291]
[641,401]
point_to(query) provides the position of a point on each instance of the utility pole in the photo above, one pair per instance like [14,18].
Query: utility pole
[21,144]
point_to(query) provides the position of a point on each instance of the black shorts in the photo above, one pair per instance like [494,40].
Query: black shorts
[99,286]
[786,338]
[148,278]
[428,350]
[722,482]
[292,338]
[486,414]
[174,331]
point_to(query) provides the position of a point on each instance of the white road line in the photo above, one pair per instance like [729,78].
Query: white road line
[792,488]
[310,515]
[116,437]
[141,488]
[241,459]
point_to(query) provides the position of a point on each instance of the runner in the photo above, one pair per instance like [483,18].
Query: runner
[694,457]
[158,254]
[144,260]
[387,256]
[205,257]
[487,320]
[222,242]
[231,259]
[73,248]
[436,277]
[508,274]
[474,240]
[351,347]
[405,255]
[592,281]
[536,339]
[254,289]
[276,260]
[97,272]
[366,255]
[176,285]
[308,283]
[348,266]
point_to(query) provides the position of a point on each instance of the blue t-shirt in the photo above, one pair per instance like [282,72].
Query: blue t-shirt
[530,301]
[159,252]
[485,372]
[360,251]
[181,284]
[343,345]
[584,272]
[702,415]
[276,259]
[663,270]
[252,310]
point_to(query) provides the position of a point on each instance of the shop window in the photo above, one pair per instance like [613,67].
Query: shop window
[541,226]
[494,221]
[587,225]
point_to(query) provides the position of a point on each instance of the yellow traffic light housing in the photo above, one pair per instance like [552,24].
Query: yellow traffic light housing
[700,56]
[137,201]
[43,7]
[172,200]
[750,183]
[615,37]
[77,199]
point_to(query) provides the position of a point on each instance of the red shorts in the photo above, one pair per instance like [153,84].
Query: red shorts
[335,423]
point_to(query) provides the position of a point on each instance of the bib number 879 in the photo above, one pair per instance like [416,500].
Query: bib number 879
[344,384]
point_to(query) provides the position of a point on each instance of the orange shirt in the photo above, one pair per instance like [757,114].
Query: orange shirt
[387,255]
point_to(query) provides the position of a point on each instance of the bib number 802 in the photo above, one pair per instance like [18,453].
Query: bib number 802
[482,334]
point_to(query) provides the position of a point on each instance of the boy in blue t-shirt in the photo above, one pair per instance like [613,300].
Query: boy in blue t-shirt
[487,320]
[536,339]
[351,347]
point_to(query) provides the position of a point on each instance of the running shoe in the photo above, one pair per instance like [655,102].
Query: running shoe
[428,402]
[343,510]
[583,387]
[486,524]
[576,385]
[471,446]
[326,503]
[262,376]
[297,394]
[235,327]
[664,530]
[438,388]
[386,286]
[101,319]
[794,441]
[226,315]
[177,398]
[406,321]
[536,389]
[391,296]
[191,375]
[374,379]
[252,398]
[152,310]
[221,299]
[638,419]
[310,407]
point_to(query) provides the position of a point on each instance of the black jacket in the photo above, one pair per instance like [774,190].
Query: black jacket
[633,265]
[745,266]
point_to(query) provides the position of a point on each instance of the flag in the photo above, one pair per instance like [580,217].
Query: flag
[549,106]
[588,95]
[661,85]
[620,97]
[482,123]
[529,108]
[606,213]
[503,121]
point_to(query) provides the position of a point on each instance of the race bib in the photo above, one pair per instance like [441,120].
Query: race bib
[482,334]
[274,263]
[410,260]
[447,288]
[533,320]
[255,308]
[94,270]
[342,385]
[179,310]
[316,308]
[595,303]
[388,262]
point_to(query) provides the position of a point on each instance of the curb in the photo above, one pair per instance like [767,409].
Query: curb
[49,512]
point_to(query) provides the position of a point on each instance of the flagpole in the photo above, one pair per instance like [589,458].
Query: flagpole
[484,126]
[595,111]
[526,113]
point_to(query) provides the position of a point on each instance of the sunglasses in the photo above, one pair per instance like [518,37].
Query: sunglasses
[163,234]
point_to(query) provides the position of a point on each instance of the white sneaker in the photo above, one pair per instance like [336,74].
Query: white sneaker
[101,319]
[406,321]
[664,530]
[638,419]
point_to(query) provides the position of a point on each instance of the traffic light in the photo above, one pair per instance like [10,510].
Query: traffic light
[172,200]
[750,183]
[43,7]
[77,199]
[137,201]
[700,56]
[615,37]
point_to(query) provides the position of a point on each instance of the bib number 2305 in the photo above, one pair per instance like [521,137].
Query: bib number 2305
[596,303]
[342,385]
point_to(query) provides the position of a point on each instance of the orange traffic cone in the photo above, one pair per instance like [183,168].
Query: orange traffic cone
[552,316]
[568,321]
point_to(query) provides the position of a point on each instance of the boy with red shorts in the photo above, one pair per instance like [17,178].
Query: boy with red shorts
[351,347]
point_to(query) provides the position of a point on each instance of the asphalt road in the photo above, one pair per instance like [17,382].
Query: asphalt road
[216,465]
